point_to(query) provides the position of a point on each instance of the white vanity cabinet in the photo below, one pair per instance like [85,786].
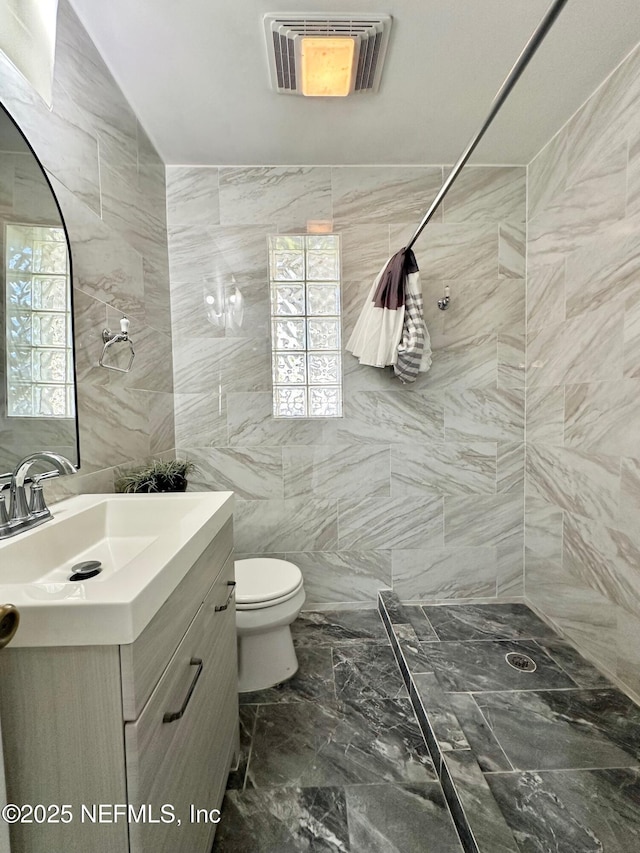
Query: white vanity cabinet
[150,727]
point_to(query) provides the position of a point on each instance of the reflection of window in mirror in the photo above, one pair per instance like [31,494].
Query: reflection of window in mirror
[38,323]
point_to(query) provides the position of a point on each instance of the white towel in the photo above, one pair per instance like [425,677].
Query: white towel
[391,328]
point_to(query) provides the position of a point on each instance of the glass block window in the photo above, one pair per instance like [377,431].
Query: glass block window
[38,315]
[305,326]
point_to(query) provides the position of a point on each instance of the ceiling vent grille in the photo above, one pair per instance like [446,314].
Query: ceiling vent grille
[284,35]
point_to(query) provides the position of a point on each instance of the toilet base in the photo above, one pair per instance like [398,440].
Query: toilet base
[265,659]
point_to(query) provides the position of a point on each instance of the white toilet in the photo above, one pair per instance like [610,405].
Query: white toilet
[269,596]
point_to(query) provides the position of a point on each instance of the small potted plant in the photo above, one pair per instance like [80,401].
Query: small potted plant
[157,476]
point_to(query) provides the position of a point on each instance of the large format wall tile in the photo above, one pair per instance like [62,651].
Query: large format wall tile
[545,295]
[604,272]
[609,116]
[494,520]
[382,471]
[343,576]
[604,558]
[390,523]
[585,615]
[583,354]
[432,573]
[301,524]
[378,417]
[192,196]
[331,471]
[484,414]
[547,175]
[603,417]
[454,250]
[447,468]
[383,194]
[287,196]
[251,472]
[585,207]
[487,194]
[481,306]
[580,483]
[110,184]
[512,251]
[586,348]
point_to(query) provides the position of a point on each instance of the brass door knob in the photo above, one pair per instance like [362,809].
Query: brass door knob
[9,621]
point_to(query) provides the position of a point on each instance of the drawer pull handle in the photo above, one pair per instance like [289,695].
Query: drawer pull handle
[170,716]
[9,621]
[224,606]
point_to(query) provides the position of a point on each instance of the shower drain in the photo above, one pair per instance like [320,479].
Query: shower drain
[521,662]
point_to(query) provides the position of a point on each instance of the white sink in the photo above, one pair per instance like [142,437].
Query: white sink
[146,544]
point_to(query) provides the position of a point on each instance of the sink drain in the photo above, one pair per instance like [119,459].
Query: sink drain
[521,662]
[87,569]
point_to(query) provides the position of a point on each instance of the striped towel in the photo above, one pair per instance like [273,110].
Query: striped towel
[414,348]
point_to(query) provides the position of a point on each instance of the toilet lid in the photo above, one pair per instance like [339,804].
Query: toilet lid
[265,579]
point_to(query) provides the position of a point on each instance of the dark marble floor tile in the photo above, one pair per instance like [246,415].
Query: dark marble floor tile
[400,819]
[366,670]
[407,614]
[463,667]
[554,729]
[417,618]
[484,746]
[578,811]
[313,680]
[581,671]
[393,606]
[292,820]
[411,648]
[486,622]
[314,744]
[437,706]
[471,799]
[327,627]
[247,724]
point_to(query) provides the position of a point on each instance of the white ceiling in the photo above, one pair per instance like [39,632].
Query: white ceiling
[196,74]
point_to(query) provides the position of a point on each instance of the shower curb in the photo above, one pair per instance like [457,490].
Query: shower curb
[480,824]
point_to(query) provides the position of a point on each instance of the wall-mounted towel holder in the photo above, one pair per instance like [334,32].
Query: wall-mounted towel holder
[110,338]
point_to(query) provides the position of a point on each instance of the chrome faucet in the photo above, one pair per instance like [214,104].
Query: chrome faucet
[23,515]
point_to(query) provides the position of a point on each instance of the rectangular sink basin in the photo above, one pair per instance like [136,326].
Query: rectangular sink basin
[145,543]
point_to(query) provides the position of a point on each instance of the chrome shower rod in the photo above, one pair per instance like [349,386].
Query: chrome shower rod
[503,93]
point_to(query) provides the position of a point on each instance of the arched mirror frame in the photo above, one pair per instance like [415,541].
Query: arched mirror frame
[6,464]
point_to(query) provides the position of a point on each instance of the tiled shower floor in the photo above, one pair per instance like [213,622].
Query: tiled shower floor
[333,760]
[557,749]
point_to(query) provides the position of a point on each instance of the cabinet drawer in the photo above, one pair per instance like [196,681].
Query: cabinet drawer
[185,762]
[143,661]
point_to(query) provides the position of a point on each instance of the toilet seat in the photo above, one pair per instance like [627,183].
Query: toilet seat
[265,582]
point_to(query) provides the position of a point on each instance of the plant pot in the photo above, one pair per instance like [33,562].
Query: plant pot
[164,485]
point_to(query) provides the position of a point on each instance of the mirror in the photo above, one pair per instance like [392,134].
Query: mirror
[37,387]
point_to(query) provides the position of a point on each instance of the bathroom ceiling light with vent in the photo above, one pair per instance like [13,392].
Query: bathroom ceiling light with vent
[326,55]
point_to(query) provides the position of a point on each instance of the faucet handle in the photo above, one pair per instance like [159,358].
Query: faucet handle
[4,513]
[37,503]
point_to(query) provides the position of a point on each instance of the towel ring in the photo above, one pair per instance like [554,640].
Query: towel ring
[110,338]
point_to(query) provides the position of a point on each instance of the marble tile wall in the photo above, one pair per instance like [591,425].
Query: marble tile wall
[583,369]
[419,487]
[110,183]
